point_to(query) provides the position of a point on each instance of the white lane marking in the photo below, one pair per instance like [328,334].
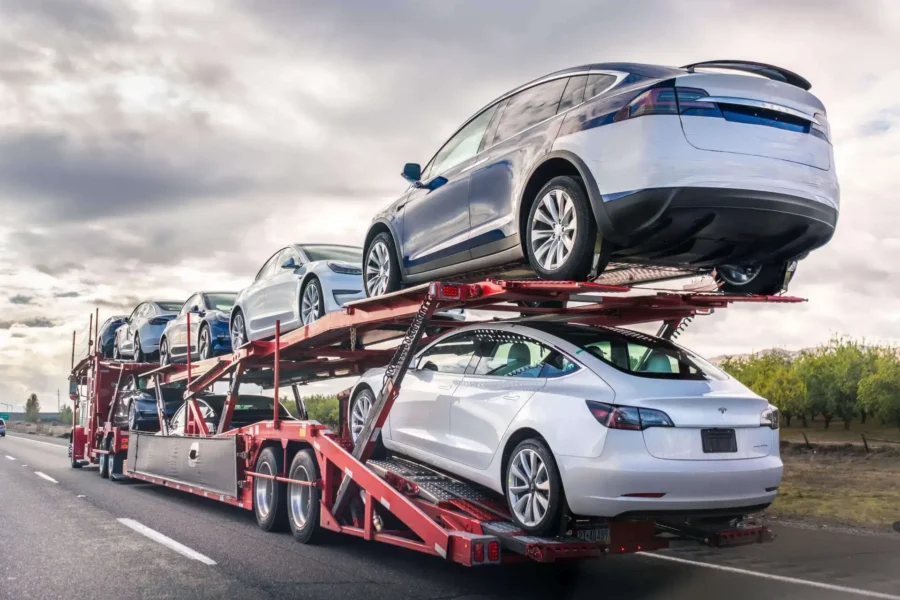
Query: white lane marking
[816,584]
[10,457]
[60,446]
[45,476]
[166,541]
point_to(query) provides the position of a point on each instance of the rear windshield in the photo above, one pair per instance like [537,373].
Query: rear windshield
[638,354]
[254,404]
[170,306]
[222,302]
[2,422]
[344,253]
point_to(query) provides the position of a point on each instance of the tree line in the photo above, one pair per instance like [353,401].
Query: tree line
[840,380]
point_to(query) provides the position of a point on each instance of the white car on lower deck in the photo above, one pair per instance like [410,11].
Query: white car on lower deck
[605,422]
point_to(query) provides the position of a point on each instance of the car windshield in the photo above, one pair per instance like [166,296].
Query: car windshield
[637,353]
[255,404]
[324,252]
[222,302]
[170,306]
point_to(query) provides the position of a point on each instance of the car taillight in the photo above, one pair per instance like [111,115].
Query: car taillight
[669,101]
[479,552]
[159,321]
[821,129]
[628,417]
[493,551]
[769,418]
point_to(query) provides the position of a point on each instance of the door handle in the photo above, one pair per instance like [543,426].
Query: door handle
[511,397]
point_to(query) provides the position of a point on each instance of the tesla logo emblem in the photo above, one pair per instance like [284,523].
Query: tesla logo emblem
[722,410]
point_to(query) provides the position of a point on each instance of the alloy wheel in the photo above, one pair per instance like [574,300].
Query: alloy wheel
[309,305]
[529,487]
[359,414]
[553,229]
[378,269]
[164,353]
[300,498]
[265,490]
[237,331]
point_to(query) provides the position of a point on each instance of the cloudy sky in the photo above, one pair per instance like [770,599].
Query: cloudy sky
[153,148]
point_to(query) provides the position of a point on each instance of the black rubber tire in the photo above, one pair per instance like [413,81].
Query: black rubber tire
[770,281]
[551,522]
[276,519]
[139,356]
[544,304]
[164,357]
[115,467]
[394,279]
[379,452]
[204,331]
[313,281]
[305,467]
[577,266]
[104,461]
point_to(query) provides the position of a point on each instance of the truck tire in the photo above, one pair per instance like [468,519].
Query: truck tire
[114,463]
[303,501]
[269,496]
[104,460]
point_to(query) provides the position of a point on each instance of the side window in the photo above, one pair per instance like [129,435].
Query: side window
[462,146]
[574,94]
[268,268]
[504,354]
[136,313]
[530,107]
[598,83]
[450,356]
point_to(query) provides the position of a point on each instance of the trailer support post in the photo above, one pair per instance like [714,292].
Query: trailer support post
[231,399]
[276,375]
[299,403]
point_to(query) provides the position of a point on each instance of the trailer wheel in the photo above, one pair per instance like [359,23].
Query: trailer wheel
[114,462]
[269,496]
[303,500]
[104,461]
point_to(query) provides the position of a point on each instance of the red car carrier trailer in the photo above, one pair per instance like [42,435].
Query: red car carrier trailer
[299,474]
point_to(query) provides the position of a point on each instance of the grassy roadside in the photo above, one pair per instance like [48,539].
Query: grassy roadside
[840,485]
[817,433]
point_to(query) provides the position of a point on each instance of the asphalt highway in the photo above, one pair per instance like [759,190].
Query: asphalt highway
[67,533]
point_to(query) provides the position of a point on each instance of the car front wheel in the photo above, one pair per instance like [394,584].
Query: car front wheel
[238,331]
[204,344]
[561,232]
[312,305]
[139,356]
[533,488]
[164,357]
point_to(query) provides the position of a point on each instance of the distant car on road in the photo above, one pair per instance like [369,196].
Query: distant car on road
[210,312]
[296,286]
[138,337]
[136,406]
[107,334]
[724,165]
[2,428]
[249,409]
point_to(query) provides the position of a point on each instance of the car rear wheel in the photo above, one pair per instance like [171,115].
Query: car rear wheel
[238,331]
[303,500]
[204,344]
[533,488]
[133,424]
[561,232]
[269,495]
[767,280]
[381,271]
[312,301]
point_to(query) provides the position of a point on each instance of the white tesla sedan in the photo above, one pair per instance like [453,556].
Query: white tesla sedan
[296,286]
[607,422]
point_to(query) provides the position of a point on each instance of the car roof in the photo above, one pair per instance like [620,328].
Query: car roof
[307,244]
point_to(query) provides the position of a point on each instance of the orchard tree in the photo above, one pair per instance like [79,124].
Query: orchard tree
[880,389]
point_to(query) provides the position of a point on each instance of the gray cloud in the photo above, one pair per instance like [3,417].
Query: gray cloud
[66,295]
[36,322]
[58,269]
[20,299]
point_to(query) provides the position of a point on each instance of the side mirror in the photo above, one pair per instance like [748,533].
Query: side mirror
[195,310]
[289,264]
[412,172]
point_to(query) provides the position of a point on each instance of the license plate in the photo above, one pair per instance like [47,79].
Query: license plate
[718,441]
[597,533]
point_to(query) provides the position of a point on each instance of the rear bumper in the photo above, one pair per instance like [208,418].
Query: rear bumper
[596,487]
[706,227]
